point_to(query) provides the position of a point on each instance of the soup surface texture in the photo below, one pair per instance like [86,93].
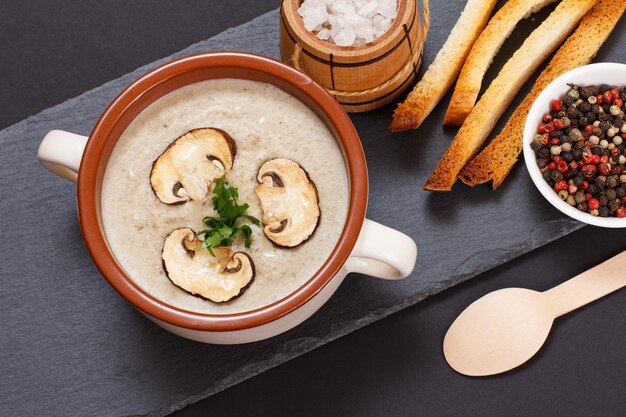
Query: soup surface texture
[265,123]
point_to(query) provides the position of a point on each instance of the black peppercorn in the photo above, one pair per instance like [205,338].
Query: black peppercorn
[567,157]
[541,163]
[584,107]
[620,192]
[578,180]
[556,175]
[591,116]
[611,194]
[592,189]
[572,112]
[603,211]
[604,126]
[577,154]
[583,206]
[544,152]
[604,200]
[596,150]
[546,175]
[612,181]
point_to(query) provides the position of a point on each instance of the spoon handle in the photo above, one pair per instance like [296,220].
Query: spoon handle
[595,283]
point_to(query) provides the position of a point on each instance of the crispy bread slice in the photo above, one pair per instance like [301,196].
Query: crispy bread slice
[541,43]
[496,161]
[445,68]
[480,57]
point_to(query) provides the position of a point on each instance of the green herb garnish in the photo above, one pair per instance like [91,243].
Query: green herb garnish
[223,230]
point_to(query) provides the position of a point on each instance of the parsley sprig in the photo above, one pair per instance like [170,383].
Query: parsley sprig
[223,230]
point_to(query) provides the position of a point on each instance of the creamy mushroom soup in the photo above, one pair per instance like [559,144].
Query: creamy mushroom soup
[265,123]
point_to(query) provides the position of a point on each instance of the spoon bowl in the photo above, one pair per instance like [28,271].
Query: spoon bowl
[498,332]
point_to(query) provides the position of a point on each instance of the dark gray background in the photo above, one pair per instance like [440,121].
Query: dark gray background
[53,51]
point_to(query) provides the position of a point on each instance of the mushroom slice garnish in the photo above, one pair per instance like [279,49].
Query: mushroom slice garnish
[186,169]
[289,202]
[217,278]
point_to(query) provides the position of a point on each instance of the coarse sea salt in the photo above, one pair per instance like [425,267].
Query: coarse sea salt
[348,22]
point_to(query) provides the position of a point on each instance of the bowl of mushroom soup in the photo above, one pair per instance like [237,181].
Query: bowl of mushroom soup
[205,203]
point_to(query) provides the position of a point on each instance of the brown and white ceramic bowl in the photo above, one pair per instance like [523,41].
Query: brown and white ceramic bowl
[364,246]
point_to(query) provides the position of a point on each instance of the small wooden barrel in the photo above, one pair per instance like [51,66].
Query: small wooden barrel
[362,77]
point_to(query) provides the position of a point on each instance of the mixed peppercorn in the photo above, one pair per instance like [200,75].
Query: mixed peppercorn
[581,149]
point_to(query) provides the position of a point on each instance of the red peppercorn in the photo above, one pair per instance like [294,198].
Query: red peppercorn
[545,139]
[558,124]
[607,97]
[616,151]
[615,93]
[589,129]
[623,135]
[589,170]
[548,127]
[621,212]
[594,204]
[544,169]
[599,99]
[604,168]
[618,102]
[585,185]
[557,158]
[616,170]
[556,105]
[595,159]
[588,196]
[562,166]
[552,166]
[547,118]
[604,159]
[573,165]
[541,129]
[587,157]
[555,141]
[560,185]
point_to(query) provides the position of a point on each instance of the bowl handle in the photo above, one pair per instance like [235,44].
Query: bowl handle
[382,252]
[61,152]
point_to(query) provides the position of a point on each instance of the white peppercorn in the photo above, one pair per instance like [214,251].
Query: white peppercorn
[617,140]
[555,150]
[604,143]
[614,110]
[594,139]
[566,147]
[592,100]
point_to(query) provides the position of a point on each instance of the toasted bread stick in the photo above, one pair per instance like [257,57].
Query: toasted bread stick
[541,43]
[484,50]
[445,68]
[496,161]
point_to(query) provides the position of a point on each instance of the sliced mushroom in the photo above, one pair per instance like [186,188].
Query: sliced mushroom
[186,169]
[289,202]
[192,268]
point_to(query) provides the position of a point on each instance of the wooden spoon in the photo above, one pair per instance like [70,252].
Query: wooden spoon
[505,328]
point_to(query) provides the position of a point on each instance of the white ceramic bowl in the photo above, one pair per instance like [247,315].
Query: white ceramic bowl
[602,73]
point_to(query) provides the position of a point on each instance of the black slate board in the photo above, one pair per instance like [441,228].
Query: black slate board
[89,353]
